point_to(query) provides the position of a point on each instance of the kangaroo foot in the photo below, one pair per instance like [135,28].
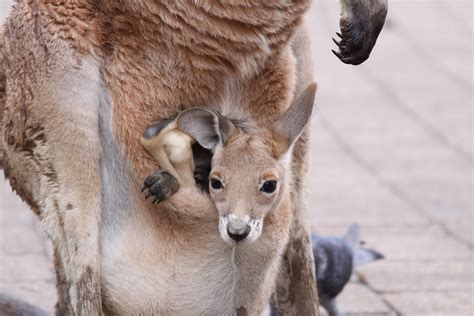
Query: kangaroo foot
[361,22]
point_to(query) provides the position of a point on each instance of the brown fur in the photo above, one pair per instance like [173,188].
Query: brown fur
[60,56]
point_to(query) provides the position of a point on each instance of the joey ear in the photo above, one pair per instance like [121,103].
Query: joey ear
[295,118]
[207,127]
[156,128]
[200,124]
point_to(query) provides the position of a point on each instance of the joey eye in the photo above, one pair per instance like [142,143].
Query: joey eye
[216,184]
[269,186]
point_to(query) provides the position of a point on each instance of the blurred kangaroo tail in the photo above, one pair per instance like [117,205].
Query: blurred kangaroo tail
[12,306]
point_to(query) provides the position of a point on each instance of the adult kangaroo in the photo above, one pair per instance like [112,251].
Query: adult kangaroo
[82,79]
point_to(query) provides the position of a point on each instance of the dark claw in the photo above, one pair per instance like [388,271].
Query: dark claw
[338,55]
[150,180]
[161,185]
[359,29]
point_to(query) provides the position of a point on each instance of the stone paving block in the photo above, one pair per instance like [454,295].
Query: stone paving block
[431,31]
[445,303]
[5,6]
[429,39]
[416,243]
[411,276]
[429,185]
[20,240]
[462,227]
[15,216]
[14,211]
[41,294]
[460,13]
[341,192]
[358,299]
[366,203]
[25,268]
[360,211]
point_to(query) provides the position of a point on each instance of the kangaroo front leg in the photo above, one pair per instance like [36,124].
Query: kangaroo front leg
[361,23]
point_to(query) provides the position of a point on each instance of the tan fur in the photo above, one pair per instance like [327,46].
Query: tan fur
[65,64]
[171,148]
[241,165]
[257,257]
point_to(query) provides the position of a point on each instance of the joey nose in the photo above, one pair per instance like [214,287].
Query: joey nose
[238,233]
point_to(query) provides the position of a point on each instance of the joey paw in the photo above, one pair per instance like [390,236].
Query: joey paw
[160,186]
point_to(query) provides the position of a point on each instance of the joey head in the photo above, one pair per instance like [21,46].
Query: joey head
[249,172]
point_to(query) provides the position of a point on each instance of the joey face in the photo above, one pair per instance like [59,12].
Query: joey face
[246,182]
[247,179]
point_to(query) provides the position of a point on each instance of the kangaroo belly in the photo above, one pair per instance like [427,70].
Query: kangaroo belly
[147,276]
[152,275]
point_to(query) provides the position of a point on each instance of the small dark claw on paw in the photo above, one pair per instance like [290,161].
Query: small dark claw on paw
[161,185]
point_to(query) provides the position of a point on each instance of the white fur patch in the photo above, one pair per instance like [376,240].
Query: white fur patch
[256,228]
[223,221]
[285,159]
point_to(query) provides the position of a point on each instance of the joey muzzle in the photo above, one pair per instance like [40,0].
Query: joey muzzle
[238,229]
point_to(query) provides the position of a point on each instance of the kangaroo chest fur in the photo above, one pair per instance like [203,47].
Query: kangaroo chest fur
[180,55]
[177,56]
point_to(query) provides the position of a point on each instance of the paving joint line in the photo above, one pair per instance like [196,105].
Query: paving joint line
[391,306]
[436,134]
[460,23]
[349,150]
[438,291]
[428,60]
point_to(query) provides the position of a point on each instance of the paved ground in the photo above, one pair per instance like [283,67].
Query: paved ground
[392,150]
